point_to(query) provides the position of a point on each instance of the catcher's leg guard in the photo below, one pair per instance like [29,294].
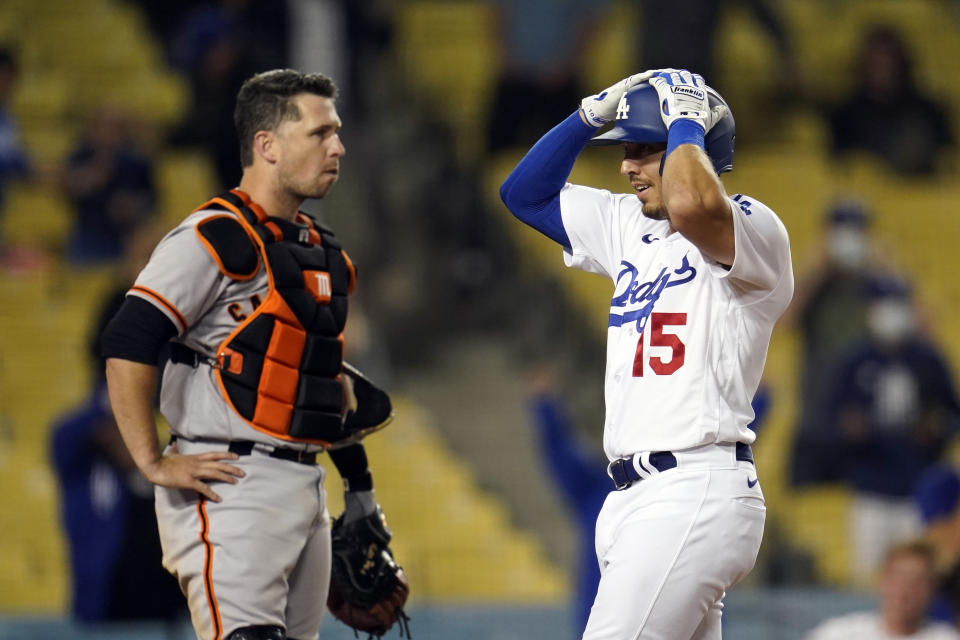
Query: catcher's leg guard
[260,632]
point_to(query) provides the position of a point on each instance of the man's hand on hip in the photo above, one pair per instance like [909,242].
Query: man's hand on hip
[181,471]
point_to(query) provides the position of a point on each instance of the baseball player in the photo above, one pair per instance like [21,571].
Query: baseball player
[253,295]
[699,280]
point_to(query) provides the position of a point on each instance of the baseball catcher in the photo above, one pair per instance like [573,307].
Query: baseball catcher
[253,295]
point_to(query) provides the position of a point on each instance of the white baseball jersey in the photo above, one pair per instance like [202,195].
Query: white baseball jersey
[183,280]
[687,337]
[869,625]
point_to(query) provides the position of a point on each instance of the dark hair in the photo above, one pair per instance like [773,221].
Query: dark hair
[915,548]
[8,58]
[887,39]
[264,101]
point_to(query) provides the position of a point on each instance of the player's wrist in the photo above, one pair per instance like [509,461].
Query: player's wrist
[358,504]
[584,120]
[358,483]
[152,470]
[685,131]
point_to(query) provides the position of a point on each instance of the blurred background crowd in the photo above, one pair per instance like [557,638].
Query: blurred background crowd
[116,121]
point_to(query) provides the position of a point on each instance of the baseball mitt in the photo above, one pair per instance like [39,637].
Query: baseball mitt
[367,587]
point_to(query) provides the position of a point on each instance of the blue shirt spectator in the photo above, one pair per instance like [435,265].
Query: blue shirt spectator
[893,400]
[584,485]
[937,496]
[107,513]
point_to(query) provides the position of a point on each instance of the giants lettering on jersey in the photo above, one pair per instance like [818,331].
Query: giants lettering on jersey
[629,291]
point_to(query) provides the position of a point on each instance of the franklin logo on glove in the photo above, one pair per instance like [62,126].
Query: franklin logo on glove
[690,91]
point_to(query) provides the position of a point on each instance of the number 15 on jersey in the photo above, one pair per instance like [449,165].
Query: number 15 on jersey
[661,336]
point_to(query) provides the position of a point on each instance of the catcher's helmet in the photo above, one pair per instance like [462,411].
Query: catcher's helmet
[641,122]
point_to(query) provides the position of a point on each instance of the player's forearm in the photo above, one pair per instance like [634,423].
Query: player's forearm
[691,189]
[358,497]
[352,464]
[132,386]
[697,203]
[532,190]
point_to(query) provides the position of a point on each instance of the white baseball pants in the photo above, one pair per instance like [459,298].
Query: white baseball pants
[671,545]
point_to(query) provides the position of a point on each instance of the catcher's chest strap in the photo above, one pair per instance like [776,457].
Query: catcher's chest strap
[182,354]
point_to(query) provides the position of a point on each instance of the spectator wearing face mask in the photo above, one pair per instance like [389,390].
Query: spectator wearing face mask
[893,408]
[829,311]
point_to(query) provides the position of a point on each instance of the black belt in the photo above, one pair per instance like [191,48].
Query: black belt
[624,474]
[245,448]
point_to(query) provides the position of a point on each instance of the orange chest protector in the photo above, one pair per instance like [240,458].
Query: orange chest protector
[280,369]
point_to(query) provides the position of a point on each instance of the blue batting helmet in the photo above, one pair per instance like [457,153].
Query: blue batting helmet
[640,121]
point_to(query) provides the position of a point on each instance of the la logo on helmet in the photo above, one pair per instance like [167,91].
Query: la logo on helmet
[622,108]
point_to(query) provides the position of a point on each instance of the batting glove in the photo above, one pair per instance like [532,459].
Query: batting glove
[683,96]
[599,109]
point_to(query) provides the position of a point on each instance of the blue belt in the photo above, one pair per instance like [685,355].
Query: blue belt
[624,474]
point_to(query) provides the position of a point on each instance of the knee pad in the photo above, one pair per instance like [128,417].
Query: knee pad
[259,632]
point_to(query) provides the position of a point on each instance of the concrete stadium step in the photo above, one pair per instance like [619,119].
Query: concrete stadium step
[477,396]
[456,540]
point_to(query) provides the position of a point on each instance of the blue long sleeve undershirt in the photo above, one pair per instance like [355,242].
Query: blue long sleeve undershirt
[532,190]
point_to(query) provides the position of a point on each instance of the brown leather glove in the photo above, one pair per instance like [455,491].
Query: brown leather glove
[368,589]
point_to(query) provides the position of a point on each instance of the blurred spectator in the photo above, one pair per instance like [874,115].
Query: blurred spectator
[218,46]
[541,42]
[937,497]
[164,16]
[682,34]
[258,27]
[887,114]
[107,513]
[906,586]
[582,481]
[368,30]
[14,162]
[110,184]
[106,504]
[894,408]
[829,310]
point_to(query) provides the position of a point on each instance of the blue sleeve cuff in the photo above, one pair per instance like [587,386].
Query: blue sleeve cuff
[684,132]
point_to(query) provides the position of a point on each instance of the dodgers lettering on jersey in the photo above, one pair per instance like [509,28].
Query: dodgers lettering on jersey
[184,282]
[687,338]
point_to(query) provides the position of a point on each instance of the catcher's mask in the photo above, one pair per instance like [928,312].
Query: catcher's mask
[640,121]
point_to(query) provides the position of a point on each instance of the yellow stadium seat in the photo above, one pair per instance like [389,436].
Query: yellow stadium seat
[36,217]
[449,53]
[475,554]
